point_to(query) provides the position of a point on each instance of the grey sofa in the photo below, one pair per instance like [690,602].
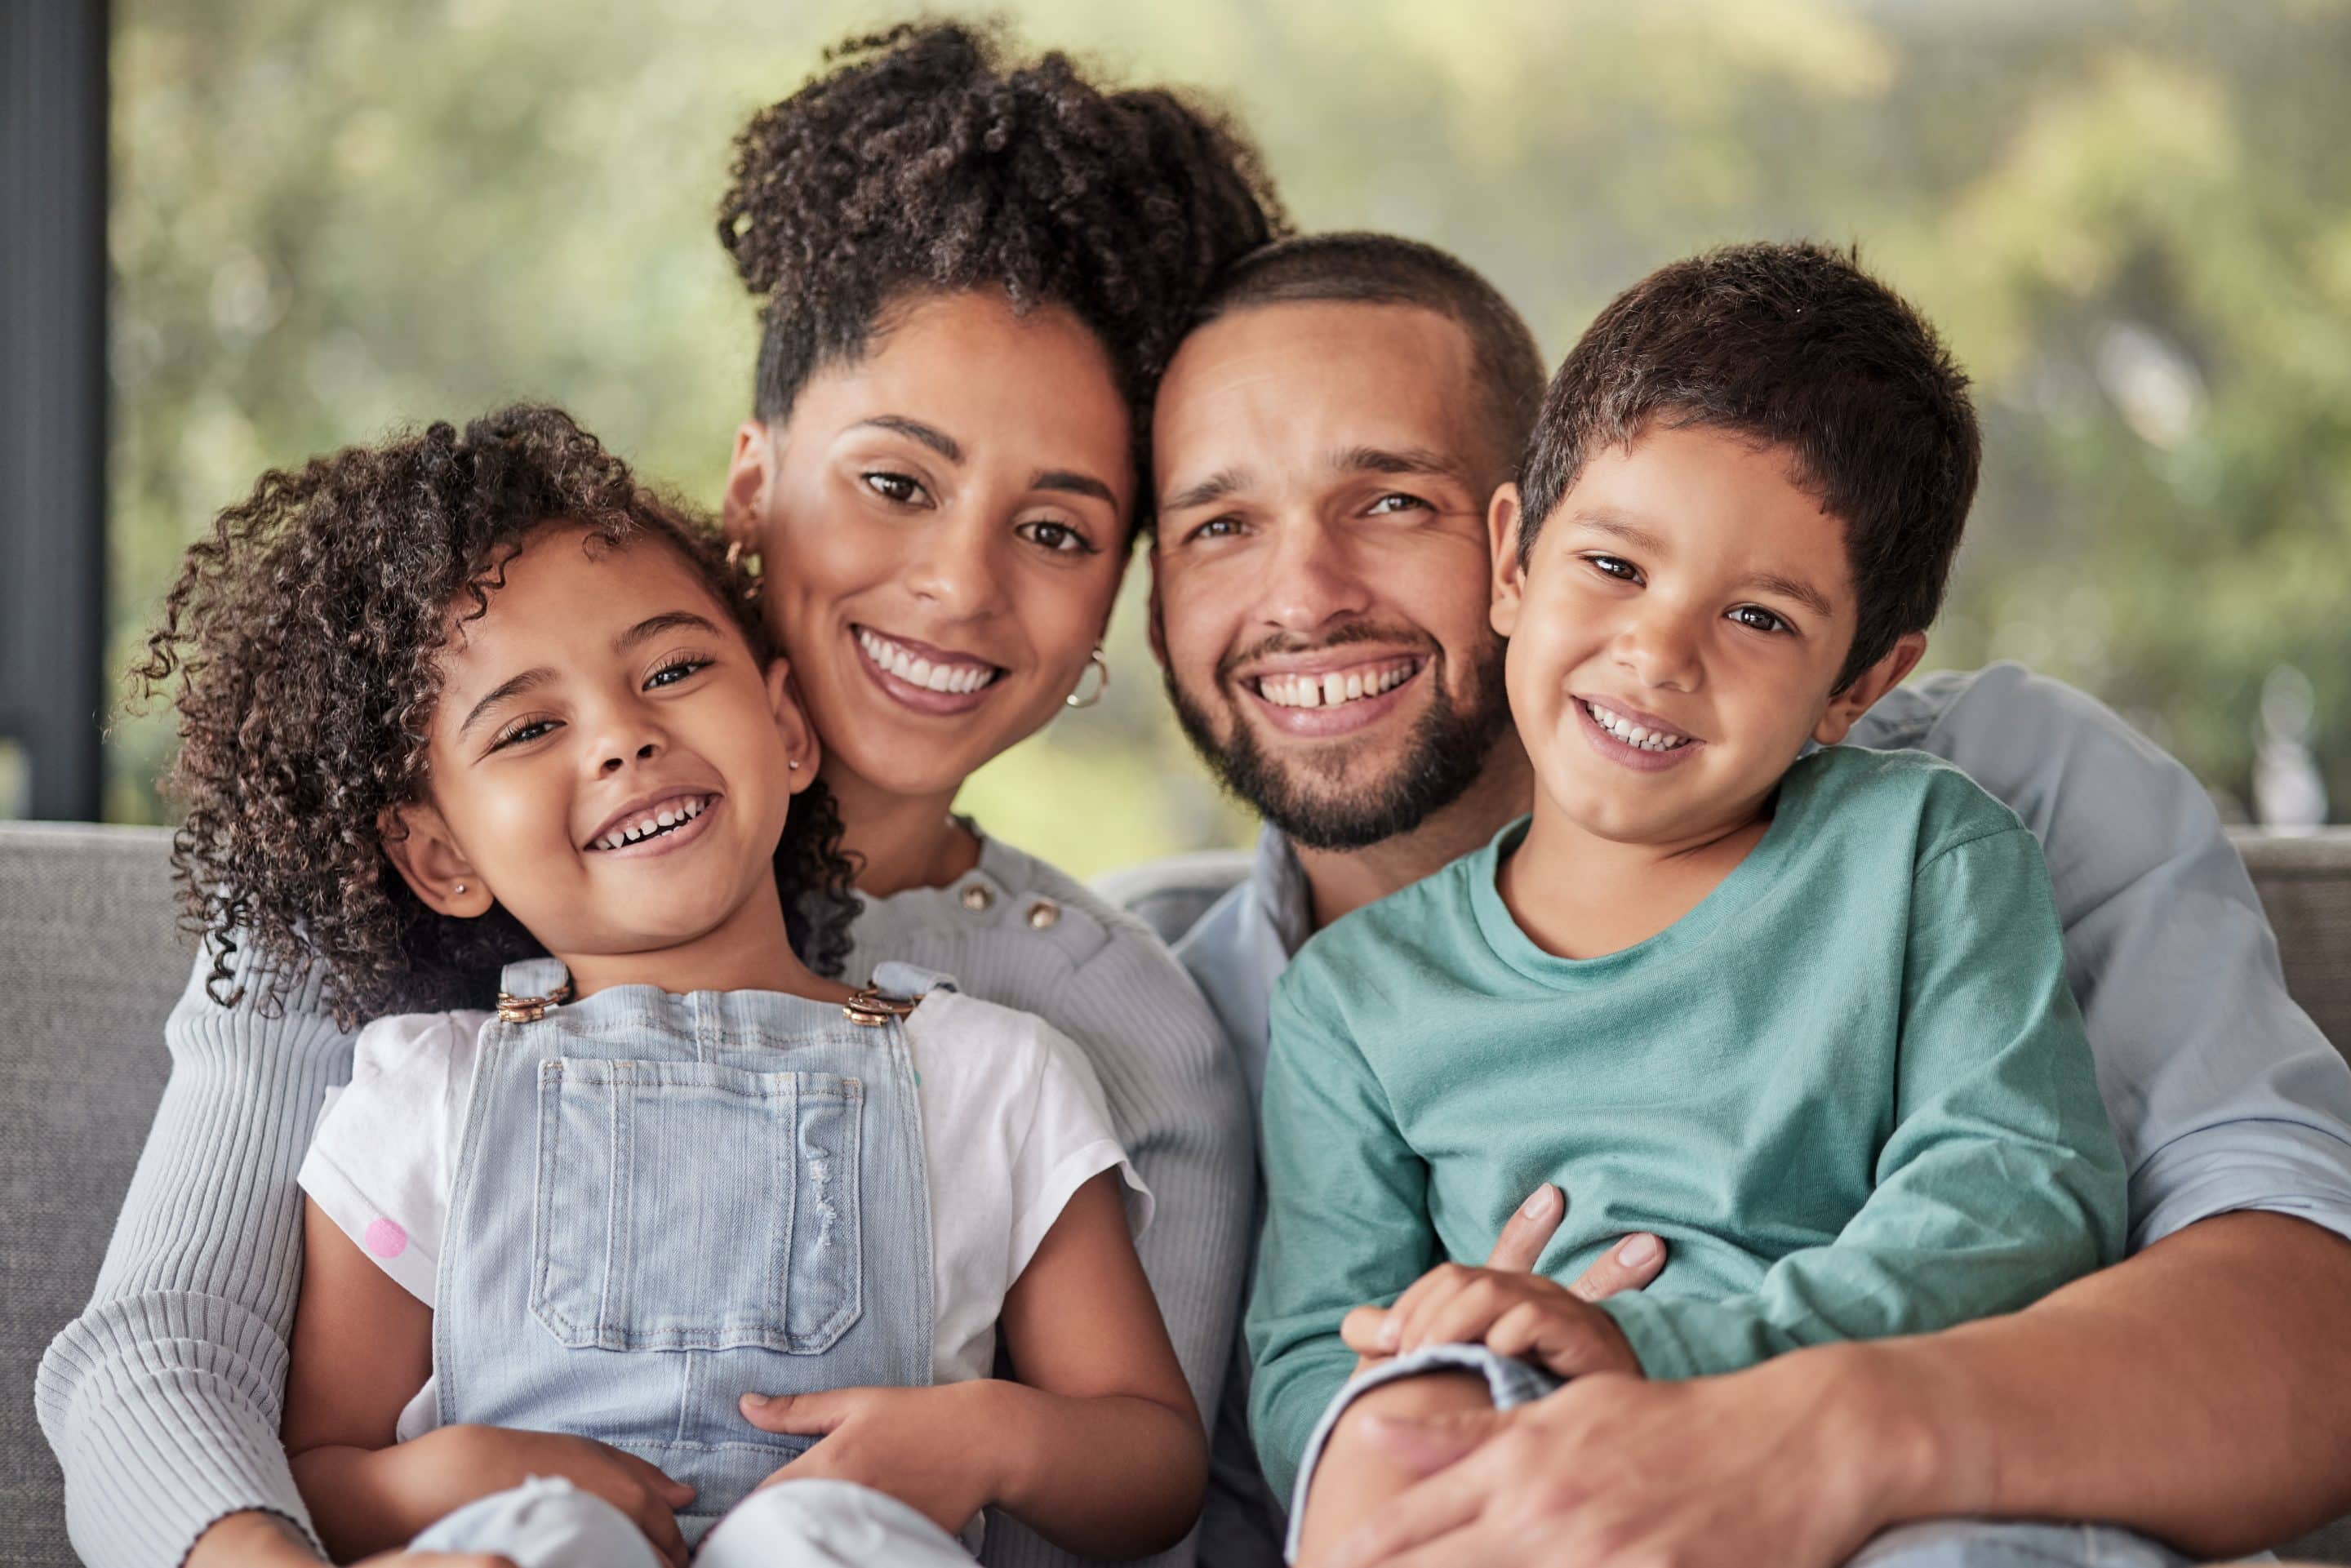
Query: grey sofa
[90,963]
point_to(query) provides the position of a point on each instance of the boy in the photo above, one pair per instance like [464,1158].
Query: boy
[1805,1017]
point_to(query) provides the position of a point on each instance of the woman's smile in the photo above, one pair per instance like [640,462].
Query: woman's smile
[923,677]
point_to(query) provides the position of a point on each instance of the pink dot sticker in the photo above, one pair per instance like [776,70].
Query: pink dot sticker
[385,1238]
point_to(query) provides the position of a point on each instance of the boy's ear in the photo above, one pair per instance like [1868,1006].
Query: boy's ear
[1872,683]
[420,848]
[792,724]
[1503,519]
[749,471]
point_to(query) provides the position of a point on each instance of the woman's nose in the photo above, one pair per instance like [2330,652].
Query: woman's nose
[956,569]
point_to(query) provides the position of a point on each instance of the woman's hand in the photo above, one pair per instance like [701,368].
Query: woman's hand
[1514,1314]
[927,1448]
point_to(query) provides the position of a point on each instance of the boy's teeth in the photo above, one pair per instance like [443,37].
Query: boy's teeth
[1632,734]
[1331,690]
[939,677]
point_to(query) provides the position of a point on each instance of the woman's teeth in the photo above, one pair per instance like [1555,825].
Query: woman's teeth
[656,821]
[1338,686]
[920,671]
[1632,734]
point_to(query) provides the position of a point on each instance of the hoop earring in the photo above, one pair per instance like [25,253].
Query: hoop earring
[1101,666]
[748,563]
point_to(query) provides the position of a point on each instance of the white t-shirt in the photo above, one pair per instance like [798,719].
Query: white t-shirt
[1013,1124]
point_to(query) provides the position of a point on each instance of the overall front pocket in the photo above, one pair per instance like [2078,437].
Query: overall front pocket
[685,1206]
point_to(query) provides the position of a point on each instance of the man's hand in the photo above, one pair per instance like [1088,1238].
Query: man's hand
[928,1447]
[1612,1470]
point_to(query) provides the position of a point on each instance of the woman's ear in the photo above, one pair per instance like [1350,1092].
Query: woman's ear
[1849,705]
[422,849]
[1502,522]
[749,471]
[802,754]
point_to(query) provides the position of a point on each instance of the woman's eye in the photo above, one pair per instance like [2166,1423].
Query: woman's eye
[1059,537]
[1396,501]
[903,488]
[523,734]
[1759,619]
[670,674]
[1610,566]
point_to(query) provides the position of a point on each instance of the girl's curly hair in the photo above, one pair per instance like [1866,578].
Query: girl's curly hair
[303,635]
[924,160]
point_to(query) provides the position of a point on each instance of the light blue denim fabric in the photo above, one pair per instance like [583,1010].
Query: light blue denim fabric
[665,1202]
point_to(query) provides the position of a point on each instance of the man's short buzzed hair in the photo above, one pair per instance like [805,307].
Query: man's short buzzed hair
[1358,269]
[1792,345]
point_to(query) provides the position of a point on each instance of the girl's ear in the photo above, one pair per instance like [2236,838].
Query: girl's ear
[1503,520]
[1849,705]
[802,754]
[749,471]
[424,853]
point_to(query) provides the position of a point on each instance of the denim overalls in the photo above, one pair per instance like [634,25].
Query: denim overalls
[665,1202]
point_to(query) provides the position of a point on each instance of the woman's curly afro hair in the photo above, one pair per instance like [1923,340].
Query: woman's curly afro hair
[923,161]
[303,635]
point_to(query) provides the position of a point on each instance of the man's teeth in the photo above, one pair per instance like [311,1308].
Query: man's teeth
[1632,734]
[668,815]
[940,677]
[1338,686]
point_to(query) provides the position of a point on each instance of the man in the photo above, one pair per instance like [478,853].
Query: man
[1324,445]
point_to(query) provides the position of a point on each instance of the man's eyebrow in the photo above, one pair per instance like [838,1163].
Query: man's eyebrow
[654,625]
[930,435]
[1802,593]
[1405,460]
[1215,487]
[1074,483]
[528,680]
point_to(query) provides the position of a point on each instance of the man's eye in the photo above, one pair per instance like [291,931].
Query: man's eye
[903,488]
[523,734]
[670,674]
[1398,501]
[1759,619]
[1611,566]
[1218,529]
[1059,537]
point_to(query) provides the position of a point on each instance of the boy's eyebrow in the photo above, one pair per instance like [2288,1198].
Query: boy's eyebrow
[520,683]
[930,435]
[1615,523]
[1215,487]
[1074,483]
[1802,593]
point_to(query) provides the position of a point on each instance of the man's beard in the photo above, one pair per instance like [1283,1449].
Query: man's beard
[1442,758]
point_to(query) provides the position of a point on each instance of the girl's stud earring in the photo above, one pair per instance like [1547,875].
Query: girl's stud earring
[793,763]
[1101,666]
[461,887]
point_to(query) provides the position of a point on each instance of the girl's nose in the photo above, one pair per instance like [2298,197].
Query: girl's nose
[645,751]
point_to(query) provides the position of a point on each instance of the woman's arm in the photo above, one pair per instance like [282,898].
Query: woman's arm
[162,1399]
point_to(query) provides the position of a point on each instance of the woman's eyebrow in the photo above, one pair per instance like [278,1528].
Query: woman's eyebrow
[1074,483]
[930,435]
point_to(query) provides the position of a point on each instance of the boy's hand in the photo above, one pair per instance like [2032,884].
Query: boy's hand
[1513,1314]
[927,1448]
[452,1466]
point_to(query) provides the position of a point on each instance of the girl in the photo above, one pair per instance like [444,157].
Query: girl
[679,1164]
[972,269]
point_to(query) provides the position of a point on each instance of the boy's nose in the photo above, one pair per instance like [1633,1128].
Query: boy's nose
[1659,651]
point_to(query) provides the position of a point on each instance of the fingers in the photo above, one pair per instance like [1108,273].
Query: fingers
[1361,1330]
[798,1415]
[664,1485]
[1426,1511]
[1528,1231]
[1628,1266]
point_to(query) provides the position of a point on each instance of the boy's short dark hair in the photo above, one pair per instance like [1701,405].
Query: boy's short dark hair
[1796,345]
[1361,268]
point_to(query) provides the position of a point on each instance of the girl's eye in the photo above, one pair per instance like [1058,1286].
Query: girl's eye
[671,673]
[1398,501]
[1759,619]
[1610,566]
[1059,537]
[903,488]
[523,734]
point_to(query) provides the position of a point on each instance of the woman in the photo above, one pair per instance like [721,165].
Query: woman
[972,276]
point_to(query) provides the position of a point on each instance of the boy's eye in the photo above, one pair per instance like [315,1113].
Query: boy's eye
[1059,537]
[1612,566]
[669,674]
[903,488]
[1759,619]
[1398,501]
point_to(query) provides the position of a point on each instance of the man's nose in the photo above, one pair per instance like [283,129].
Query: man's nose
[1312,580]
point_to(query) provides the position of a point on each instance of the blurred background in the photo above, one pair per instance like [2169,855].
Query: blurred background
[2132,218]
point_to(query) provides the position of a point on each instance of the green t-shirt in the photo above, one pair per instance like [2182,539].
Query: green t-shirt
[1849,1089]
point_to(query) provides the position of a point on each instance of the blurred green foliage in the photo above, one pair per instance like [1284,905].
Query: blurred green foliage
[2133,220]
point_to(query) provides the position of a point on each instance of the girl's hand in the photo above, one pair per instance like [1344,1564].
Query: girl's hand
[1514,1314]
[450,1466]
[928,1447]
